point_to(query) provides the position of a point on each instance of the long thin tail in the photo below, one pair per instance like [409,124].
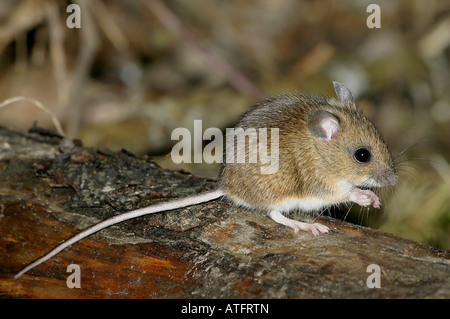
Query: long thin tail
[170,205]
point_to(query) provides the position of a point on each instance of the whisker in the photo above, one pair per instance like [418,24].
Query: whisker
[360,216]
[348,211]
[417,159]
[410,147]
[367,216]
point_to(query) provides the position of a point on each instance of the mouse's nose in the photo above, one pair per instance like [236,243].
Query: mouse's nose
[385,176]
[392,178]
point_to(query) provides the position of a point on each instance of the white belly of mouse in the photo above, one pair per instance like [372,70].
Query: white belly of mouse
[309,204]
[301,204]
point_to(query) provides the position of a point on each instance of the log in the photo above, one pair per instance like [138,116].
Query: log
[52,187]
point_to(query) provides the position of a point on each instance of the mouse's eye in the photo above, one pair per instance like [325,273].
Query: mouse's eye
[362,155]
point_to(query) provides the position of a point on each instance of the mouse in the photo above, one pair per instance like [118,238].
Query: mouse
[329,153]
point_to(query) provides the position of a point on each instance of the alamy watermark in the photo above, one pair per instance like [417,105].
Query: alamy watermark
[374,18]
[74,279]
[374,279]
[249,145]
[372,21]
[74,18]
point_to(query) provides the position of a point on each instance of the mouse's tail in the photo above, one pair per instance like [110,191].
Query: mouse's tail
[170,205]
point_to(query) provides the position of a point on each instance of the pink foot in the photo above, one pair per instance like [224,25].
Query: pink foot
[315,228]
[364,198]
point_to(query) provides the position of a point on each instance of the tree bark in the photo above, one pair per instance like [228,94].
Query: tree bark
[51,188]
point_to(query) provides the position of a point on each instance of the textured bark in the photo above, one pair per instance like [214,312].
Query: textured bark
[51,188]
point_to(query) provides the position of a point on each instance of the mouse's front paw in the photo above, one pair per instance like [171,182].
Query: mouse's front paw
[365,198]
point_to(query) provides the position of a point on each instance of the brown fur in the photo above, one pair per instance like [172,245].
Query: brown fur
[308,166]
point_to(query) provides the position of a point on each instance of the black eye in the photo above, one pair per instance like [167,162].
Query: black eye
[362,155]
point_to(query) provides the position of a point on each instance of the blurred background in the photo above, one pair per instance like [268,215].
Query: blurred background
[138,69]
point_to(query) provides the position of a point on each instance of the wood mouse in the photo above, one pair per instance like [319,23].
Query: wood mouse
[329,153]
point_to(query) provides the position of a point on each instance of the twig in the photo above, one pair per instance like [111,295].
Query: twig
[39,105]
[109,26]
[58,56]
[70,86]
[234,77]
[25,16]
[85,58]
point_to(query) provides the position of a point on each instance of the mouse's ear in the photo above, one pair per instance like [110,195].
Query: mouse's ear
[343,94]
[323,124]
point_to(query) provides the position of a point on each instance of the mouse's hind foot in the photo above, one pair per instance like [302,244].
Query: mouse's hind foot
[314,228]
